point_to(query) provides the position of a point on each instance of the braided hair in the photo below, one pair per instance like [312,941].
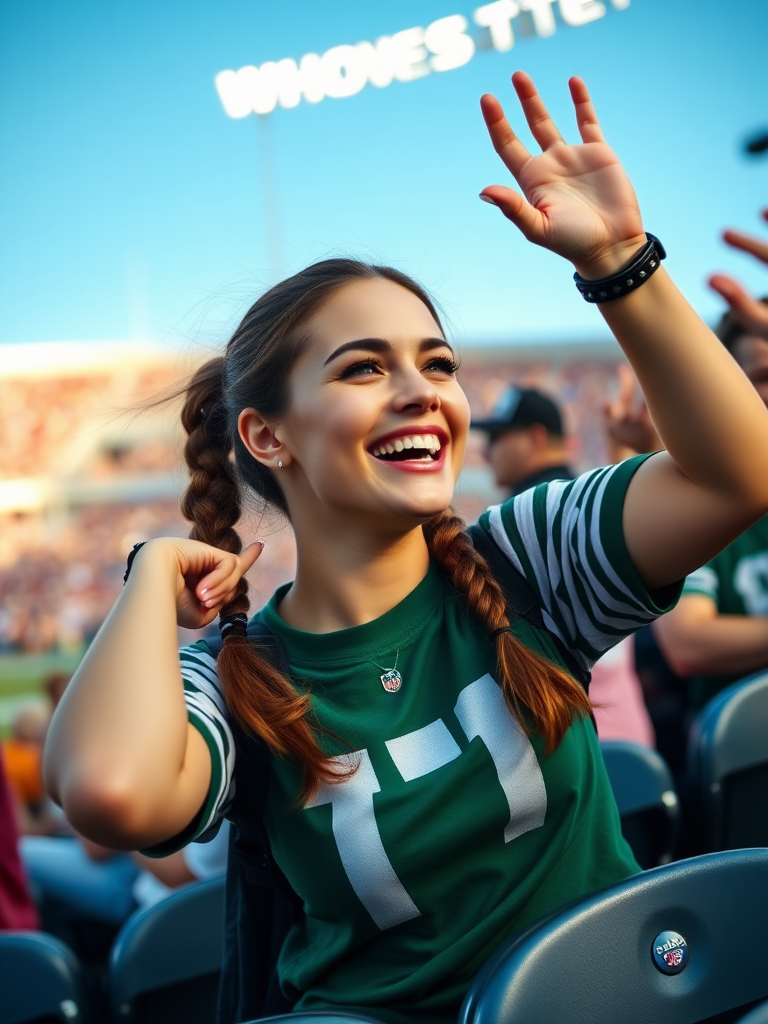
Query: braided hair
[253,372]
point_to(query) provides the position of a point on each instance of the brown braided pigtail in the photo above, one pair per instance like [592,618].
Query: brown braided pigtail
[259,697]
[528,679]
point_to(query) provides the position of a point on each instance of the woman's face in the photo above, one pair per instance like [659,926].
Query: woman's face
[377,422]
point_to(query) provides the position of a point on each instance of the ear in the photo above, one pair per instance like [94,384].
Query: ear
[260,440]
[538,435]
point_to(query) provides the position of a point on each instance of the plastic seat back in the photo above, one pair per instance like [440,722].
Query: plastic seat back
[166,961]
[674,945]
[645,795]
[728,766]
[757,1016]
[316,1017]
[40,980]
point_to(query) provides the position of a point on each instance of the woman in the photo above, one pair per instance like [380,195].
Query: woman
[435,781]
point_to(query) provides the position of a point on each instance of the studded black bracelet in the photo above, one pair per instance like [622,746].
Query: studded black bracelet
[643,265]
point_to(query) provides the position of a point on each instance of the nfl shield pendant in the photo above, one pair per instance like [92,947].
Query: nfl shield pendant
[391,680]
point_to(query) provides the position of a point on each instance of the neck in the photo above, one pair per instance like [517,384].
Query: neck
[550,457]
[350,577]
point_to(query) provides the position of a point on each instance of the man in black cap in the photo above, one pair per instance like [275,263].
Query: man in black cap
[526,444]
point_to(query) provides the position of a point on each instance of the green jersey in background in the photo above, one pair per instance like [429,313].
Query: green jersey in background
[736,580]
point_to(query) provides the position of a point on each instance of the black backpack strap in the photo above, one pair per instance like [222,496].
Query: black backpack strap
[517,591]
[260,905]
[520,598]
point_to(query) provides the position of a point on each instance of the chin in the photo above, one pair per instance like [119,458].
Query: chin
[421,512]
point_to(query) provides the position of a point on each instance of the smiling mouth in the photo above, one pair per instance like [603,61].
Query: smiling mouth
[412,448]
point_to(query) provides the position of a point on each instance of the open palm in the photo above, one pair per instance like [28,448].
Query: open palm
[577,199]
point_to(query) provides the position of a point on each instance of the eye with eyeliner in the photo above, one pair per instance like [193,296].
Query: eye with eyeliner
[445,364]
[368,367]
[358,367]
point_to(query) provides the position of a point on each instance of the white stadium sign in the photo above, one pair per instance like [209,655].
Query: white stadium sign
[345,70]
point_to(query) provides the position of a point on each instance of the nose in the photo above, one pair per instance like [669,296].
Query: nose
[415,394]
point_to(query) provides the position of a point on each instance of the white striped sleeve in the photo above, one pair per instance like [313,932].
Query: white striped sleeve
[207,712]
[566,538]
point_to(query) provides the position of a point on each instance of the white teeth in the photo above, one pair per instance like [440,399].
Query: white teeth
[430,442]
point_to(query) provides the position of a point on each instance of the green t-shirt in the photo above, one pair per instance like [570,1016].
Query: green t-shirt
[736,580]
[455,830]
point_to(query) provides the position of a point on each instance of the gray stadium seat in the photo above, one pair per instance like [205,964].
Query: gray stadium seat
[316,1017]
[728,766]
[40,980]
[166,961]
[645,795]
[757,1016]
[606,959]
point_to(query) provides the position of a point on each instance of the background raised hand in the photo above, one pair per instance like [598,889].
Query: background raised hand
[577,199]
[629,429]
[751,313]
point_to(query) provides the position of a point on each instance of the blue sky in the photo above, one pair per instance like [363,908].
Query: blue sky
[131,206]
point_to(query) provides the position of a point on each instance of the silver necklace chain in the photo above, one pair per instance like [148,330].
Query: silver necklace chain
[391,680]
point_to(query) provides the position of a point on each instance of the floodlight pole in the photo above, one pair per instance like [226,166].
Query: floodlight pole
[269,193]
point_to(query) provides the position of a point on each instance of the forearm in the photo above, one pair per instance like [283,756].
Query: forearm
[723,645]
[709,416]
[117,752]
[172,871]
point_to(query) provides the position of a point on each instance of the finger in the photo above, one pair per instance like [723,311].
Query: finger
[542,126]
[249,554]
[626,386]
[505,142]
[611,412]
[219,581]
[752,312]
[213,589]
[517,209]
[754,246]
[586,117]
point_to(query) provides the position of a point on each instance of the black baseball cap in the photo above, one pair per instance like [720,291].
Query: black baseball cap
[519,408]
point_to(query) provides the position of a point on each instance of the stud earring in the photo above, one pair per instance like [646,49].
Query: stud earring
[279,463]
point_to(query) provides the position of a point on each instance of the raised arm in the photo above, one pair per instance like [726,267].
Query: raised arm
[121,757]
[684,505]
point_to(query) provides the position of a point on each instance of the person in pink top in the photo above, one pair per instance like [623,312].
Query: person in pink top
[17,911]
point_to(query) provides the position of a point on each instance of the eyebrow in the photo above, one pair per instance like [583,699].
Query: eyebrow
[381,345]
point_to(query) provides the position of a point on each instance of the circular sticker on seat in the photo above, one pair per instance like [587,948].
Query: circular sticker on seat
[671,952]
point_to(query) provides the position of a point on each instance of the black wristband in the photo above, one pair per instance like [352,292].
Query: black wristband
[643,265]
[129,563]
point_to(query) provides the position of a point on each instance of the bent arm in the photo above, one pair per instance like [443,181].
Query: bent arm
[121,758]
[696,640]
[685,506]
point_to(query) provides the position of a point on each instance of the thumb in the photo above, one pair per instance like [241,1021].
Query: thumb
[517,209]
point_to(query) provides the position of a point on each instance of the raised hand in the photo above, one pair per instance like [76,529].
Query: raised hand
[577,199]
[206,577]
[751,313]
[628,425]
